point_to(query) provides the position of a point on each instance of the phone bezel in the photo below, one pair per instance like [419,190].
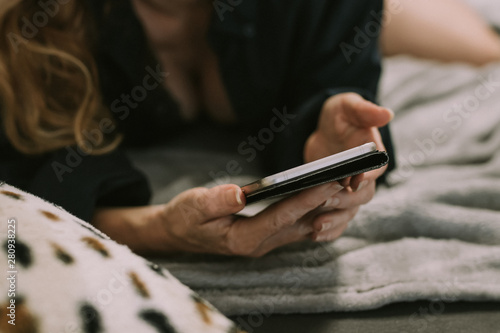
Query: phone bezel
[309,168]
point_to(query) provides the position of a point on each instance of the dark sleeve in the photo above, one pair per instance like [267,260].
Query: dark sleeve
[79,183]
[335,50]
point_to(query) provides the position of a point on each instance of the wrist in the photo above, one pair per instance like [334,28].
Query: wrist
[160,236]
[140,228]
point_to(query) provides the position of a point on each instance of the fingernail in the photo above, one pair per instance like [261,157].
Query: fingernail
[391,112]
[235,194]
[321,238]
[337,186]
[331,203]
[362,185]
[325,226]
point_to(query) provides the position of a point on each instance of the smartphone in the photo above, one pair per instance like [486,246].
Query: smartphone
[332,168]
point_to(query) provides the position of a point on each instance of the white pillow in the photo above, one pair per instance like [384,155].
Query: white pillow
[69,277]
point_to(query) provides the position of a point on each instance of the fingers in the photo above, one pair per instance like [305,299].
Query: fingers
[356,111]
[199,205]
[333,224]
[288,211]
[249,234]
[360,181]
[349,198]
[363,113]
[300,231]
[326,226]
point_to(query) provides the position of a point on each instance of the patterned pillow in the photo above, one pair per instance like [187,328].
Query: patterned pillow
[63,275]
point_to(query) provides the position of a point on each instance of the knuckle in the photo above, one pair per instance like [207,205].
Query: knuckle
[201,198]
[204,202]
[348,98]
[189,213]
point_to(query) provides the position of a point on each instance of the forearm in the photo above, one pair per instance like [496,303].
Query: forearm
[446,30]
[137,227]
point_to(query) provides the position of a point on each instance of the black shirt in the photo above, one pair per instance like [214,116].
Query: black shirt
[274,55]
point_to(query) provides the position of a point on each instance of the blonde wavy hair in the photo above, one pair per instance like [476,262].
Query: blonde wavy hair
[49,92]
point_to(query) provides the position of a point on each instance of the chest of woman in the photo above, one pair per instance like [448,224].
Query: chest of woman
[178,40]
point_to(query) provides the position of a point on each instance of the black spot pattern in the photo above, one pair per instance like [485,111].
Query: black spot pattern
[158,320]
[139,285]
[50,215]
[203,308]
[12,195]
[197,298]
[23,253]
[157,269]
[91,320]
[62,255]
[97,246]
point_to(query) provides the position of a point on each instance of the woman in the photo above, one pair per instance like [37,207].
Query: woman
[165,65]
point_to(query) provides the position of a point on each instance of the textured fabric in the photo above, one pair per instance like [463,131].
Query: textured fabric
[61,275]
[434,234]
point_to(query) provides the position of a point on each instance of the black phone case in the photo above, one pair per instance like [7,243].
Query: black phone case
[363,163]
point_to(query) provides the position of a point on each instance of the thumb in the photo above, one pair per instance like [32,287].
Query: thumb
[199,205]
[362,113]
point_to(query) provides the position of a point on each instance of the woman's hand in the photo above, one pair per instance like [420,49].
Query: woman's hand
[203,220]
[346,121]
